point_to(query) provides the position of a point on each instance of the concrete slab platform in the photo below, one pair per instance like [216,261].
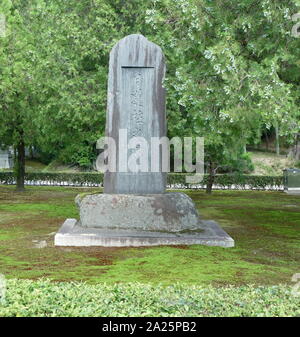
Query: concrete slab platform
[72,234]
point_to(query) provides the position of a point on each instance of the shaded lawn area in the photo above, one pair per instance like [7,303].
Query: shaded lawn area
[265,226]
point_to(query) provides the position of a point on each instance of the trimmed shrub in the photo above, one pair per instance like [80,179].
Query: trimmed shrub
[176,180]
[45,298]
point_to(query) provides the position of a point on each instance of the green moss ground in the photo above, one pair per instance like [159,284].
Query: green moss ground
[265,226]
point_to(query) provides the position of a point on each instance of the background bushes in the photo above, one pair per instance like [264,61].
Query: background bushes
[177,180]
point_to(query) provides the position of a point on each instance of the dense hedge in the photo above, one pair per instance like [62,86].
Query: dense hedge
[228,181]
[177,180]
[55,178]
[45,298]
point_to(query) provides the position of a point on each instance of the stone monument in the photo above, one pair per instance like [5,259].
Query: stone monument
[135,209]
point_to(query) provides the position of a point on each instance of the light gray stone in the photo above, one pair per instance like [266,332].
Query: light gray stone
[136,102]
[72,234]
[172,212]
[6,159]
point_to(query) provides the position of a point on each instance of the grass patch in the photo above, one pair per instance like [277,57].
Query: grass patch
[265,226]
[50,209]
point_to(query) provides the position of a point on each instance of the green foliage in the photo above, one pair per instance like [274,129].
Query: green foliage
[225,79]
[243,164]
[45,298]
[231,71]
[53,70]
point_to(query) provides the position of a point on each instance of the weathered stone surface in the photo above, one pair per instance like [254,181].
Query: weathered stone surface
[171,212]
[135,102]
[72,234]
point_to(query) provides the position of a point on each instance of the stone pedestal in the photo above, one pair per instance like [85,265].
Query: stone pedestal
[116,220]
[72,234]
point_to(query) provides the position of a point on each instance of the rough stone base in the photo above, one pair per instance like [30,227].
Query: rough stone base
[171,212]
[73,234]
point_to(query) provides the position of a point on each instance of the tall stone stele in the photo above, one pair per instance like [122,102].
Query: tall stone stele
[136,103]
[135,209]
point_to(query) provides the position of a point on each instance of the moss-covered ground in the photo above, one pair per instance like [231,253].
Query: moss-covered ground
[265,226]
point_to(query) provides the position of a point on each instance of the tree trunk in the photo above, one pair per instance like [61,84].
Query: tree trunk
[20,163]
[31,154]
[211,178]
[277,140]
[267,141]
[297,148]
[294,152]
